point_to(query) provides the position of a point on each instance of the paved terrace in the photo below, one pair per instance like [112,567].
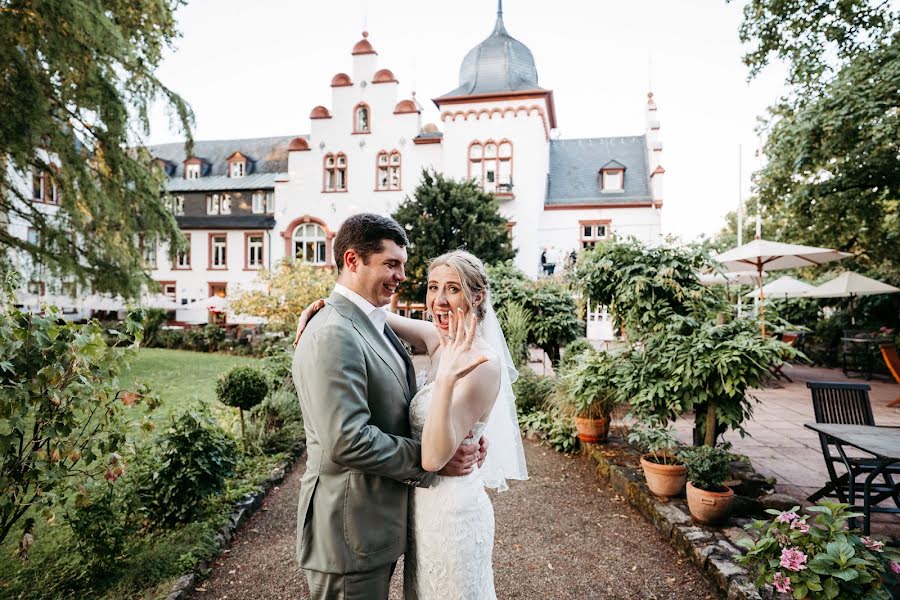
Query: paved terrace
[780,446]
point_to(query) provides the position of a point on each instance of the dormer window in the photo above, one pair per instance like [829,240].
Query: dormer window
[612,177]
[192,171]
[361,119]
[237,168]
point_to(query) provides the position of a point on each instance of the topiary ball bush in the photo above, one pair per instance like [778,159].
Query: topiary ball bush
[243,387]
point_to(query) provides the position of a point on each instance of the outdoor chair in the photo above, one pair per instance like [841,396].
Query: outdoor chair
[892,360]
[846,404]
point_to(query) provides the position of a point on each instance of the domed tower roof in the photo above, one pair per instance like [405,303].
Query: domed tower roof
[499,64]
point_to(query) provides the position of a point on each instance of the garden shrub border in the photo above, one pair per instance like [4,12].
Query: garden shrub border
[243,509]
[711,549]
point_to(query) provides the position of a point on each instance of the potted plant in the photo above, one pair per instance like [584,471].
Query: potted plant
[588,390]
[663,469]
[816,556]
[709,499]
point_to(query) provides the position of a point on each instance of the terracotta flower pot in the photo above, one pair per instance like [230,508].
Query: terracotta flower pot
[663,480]
[592,431]
[710,508]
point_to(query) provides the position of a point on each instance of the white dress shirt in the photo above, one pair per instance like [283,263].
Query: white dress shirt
[377,315]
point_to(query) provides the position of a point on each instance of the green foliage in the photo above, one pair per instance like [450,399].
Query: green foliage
[643,286]
[553,312]
[572,351]
[708,466]
[588,385]
[277,423]
[102,522]
[554,427]
[516,322]
[193,458]
[445,215]
[76,88]
[154,318]
[208,338]
[656,437]
[242,387]
[60,408]
[837,563]
[532,391]
[687,363]
[284,291]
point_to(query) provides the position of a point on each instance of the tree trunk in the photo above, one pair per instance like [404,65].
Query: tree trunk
[243,436]
[710,423]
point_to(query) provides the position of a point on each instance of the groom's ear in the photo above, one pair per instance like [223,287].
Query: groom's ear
[352,260]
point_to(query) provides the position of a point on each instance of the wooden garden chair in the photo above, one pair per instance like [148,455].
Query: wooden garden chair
[892,360]
[847,404]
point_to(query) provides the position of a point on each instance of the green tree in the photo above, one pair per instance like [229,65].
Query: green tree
[76,85]
[60,409]
[832,175]
[287,289]
[446,215]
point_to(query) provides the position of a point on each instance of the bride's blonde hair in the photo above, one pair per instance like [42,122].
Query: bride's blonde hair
[472,277]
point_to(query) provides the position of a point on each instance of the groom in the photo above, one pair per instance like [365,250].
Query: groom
[355,382]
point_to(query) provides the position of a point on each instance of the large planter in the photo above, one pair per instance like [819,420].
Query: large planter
[592,431]
[710,508]
[663,480]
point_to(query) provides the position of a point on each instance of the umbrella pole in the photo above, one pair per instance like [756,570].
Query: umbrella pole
[762,304]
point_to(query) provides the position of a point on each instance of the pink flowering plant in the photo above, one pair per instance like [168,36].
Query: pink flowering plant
[816,556]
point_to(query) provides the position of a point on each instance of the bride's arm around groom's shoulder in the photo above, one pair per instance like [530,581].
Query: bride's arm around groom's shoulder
[417,333]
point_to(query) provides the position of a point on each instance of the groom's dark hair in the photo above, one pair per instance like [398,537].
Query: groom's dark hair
[365,233]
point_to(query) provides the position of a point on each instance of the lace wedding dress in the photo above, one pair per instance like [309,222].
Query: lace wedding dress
[452,529]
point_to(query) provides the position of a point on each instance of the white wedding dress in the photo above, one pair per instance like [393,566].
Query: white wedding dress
[452,529]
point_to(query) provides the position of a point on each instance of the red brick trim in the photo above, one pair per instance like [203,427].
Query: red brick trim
[288,235]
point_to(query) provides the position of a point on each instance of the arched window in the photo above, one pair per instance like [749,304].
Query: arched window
[387,170]
[335,172]
[361,119]
[490,165]
[310,244]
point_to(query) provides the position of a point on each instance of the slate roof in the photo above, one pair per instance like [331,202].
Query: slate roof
[269,154]
[575,170]
[499,64]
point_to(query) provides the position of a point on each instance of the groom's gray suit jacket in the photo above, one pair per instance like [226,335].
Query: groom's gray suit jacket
[361,462]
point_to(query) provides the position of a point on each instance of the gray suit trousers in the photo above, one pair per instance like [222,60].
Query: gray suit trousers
[371,585]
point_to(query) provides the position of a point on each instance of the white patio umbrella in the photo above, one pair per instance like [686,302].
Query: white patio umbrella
[738,277]
[213,303]
[104,303]
[764,255]
[160,301]
[783,287]
[850,285]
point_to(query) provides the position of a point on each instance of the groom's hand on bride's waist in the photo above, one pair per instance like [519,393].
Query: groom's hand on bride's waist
[465,459]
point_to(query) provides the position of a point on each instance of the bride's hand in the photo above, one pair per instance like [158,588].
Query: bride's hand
[457,358]
[305,316]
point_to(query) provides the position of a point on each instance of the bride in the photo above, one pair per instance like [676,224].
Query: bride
[465,393]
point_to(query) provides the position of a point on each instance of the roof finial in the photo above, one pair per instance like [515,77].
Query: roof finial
[499,28]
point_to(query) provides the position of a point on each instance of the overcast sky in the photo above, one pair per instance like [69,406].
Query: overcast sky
[255,69]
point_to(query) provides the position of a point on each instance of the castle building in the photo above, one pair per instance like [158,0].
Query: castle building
[246,204]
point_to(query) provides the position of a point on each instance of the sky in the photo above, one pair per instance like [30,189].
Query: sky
[256,69]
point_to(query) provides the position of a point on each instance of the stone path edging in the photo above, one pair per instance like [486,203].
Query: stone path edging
[711,549]
[243,508]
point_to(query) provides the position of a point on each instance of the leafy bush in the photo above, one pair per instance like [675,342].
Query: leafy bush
[193,457]
[554,428]
[707,466]
[516,323]
[102,522]
[277,424]
[588,385]
[154,318]
[173,339]
[819,558]
[242,387]
[572,351]
[532,391]
[60,407]
[657,438]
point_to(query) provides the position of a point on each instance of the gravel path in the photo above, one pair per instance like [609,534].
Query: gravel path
[562,534]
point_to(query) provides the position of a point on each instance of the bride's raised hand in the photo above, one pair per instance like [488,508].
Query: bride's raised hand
[305,316]
[457,357]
